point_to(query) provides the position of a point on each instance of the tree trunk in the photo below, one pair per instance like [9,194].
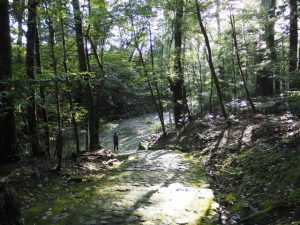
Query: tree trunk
[102,80]
[8,137]
[59,136]
[18,7]
[159,104]
[83,69]
[42,94]
[293,45]
[218,16]
[177,85]
[265,80]
[210,61]
[31,108]
[271,45]
[71,105]
[232,22]
[94,114]
[233,73]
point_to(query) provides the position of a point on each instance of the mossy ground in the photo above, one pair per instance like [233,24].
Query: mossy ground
[149,187]
[254,164]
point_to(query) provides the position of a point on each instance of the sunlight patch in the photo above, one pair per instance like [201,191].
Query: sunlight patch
[177,202]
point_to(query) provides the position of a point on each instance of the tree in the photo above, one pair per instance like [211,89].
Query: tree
[177,84]
[8,137]
[232,22]
[30,70]
[71,103]
[293,42]
[42,94]
[19,7]
[209,59]
[59,136]
[94,136]
[265,81]
[156,99]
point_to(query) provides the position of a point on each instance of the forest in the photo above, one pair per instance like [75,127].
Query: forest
[149,112]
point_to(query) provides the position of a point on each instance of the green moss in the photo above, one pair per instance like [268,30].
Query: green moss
[294,195]
[267,203]
[237,206]
[58,198]
[187,156]
[34,213]
[229,197]
[258,215]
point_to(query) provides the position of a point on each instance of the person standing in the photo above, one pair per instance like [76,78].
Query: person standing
[116,141]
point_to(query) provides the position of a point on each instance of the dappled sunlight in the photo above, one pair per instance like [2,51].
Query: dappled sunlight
[91,166]
[177,203]
[247,135]
[152,187]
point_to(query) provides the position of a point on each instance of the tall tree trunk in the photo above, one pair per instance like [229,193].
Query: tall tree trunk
[210,61]
[71,104]
[218,16]
[31,108]
[42,94]
[232,22]
[8,137]
[271,45]
[94,115]
[59,136]
[99,88]
[293,45]
[94,141]
[233,73]
[177,85]
[19,7]
[265,77]
[157,107]
[159,104]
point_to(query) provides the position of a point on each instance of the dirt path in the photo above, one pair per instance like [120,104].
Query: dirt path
[151,188]
[131,131]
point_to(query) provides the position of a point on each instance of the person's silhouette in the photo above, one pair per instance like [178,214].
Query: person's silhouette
[116,141]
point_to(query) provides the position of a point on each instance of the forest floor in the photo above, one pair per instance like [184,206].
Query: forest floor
[253,164]
[212,173]
[149,187]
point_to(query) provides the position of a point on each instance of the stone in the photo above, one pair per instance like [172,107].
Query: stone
[131,219]
[44,217]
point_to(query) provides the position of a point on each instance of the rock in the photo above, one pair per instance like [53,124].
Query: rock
[131,219]
[143,146]
[44,217]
